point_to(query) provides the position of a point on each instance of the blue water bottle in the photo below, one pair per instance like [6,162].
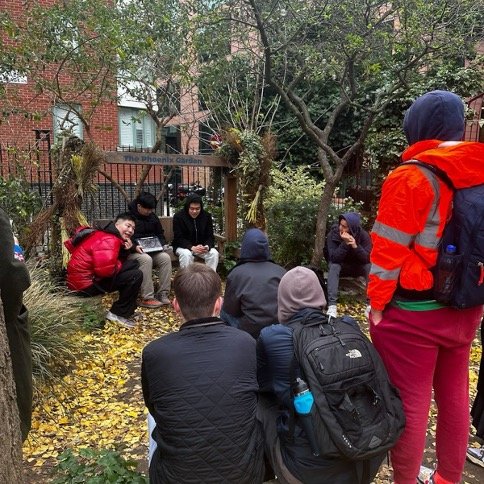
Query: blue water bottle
[303,403]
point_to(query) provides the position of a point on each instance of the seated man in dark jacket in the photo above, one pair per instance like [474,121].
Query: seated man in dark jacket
[250,299]
[348,248]
[193,234]
[148,225]
[99,264]
[300,295]
[200,386]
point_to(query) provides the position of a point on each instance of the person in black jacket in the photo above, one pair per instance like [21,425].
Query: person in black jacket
[14,280]
[348,248]
[193,233]
[148,225]
[250,299]
[200,386]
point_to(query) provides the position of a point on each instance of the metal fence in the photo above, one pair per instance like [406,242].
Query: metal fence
[116,183]
[34,164]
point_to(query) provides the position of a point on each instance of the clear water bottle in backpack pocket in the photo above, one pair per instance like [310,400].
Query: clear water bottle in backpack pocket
[447,270]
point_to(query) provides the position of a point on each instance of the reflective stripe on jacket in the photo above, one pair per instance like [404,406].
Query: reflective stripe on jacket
[412,213]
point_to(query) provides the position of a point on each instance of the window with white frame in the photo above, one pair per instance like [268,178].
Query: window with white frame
[136,128]
[66,120]
[12,77]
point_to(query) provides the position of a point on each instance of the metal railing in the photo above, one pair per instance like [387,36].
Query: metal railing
[34,164]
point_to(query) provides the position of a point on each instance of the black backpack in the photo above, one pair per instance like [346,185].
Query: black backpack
[357,413]
[464,230]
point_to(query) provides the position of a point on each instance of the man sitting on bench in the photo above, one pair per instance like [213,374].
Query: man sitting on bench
[193,234]
[149,235]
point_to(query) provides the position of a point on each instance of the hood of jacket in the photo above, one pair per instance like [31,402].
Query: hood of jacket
[462,161]
[354,222]
[193,198]
[435,115]
[110,228]
[255,246]
[299,289]
[133,208]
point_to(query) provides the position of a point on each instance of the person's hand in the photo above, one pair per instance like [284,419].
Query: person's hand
[198,249]
[376,316]
[139,249]
[348,239]
[128,243]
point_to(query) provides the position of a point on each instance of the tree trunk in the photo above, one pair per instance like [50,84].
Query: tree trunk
[11,441]
[321,223]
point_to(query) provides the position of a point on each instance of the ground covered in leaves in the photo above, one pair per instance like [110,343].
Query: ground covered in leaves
[100,404]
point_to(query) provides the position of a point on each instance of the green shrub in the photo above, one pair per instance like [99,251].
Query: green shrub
[93,466]
[231,256]
[20,203]
[56,319]
[292,205]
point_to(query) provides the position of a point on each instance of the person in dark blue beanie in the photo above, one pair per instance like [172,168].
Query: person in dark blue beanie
[250,300]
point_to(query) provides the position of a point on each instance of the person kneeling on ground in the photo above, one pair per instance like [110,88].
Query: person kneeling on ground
[250,299]
[99,264]
[193,234]
[348,248]
[200,386]
[148,225]
[300,295]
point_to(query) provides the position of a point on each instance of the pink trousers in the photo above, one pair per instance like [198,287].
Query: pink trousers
[424,350]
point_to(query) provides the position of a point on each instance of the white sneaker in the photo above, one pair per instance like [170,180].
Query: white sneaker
[127,323]
[475,455]
[425,475]
[332,311]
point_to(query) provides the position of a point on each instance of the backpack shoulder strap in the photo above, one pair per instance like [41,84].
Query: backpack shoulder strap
[439,173]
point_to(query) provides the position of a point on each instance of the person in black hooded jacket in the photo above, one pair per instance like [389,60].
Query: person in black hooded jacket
[193,234]
[148,225]
[200,386]
[250,300]
[348,248]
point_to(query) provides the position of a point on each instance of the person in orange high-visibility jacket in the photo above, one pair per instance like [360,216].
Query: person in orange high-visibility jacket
[424,344]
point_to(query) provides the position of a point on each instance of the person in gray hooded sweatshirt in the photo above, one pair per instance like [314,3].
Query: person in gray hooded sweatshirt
[250,300]
[300,296]
[348,248]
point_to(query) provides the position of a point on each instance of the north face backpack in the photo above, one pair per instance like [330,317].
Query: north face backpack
[465,231]
[357,413]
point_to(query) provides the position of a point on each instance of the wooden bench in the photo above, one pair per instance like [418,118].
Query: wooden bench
[167,224]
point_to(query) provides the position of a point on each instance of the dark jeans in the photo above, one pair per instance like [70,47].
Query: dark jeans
[127,281]
[343,270]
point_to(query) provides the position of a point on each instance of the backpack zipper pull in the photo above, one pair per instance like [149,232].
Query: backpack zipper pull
[481,277]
